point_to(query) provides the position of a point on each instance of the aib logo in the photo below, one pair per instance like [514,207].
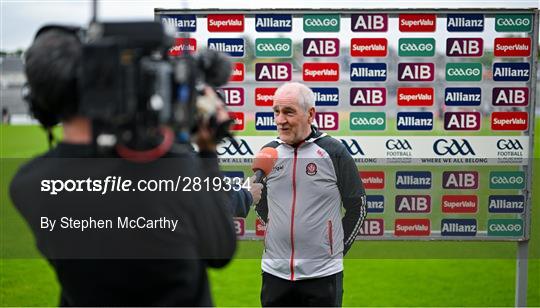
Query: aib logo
[398,144]
[453,147]
[509,144]
[235,148]
[353,147]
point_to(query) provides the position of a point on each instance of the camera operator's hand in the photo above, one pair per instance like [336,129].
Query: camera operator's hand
[205,138]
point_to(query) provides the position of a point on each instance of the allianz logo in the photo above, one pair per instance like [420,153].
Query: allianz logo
[179,23]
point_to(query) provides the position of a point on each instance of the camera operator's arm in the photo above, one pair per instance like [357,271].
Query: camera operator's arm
[216,231]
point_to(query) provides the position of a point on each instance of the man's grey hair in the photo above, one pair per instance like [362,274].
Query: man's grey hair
[306,97]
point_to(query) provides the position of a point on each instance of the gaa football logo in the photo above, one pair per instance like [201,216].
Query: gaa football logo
[311,169]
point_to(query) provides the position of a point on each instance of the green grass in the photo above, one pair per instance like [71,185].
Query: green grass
[376,273]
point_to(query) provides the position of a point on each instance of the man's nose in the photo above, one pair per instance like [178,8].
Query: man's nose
[279,119]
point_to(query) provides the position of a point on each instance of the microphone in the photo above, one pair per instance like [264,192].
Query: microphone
[263,163]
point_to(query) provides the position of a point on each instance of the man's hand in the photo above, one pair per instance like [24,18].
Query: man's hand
[255,189]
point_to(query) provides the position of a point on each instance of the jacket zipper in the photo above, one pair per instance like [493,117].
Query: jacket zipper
[292,210]
[330,238]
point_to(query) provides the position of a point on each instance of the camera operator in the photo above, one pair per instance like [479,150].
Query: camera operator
[116,267]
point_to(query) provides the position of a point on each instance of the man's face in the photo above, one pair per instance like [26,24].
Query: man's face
[293,122]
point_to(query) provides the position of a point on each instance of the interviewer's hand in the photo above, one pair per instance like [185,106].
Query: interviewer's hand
[255,190]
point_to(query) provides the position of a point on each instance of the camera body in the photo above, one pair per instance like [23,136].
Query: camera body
[130,87]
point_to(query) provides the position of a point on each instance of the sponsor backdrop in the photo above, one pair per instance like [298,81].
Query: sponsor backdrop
[434,108]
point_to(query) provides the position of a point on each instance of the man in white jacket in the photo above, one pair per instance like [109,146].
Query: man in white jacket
[306,237]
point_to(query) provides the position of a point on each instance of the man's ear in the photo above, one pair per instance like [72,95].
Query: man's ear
[311,115]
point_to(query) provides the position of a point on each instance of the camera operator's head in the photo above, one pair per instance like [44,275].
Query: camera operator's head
[51,66]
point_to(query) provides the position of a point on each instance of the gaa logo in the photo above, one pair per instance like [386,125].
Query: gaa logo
[509,144]
[505,227]
[273,48]
[513,23]
[234,148]
[416,47]
[311,169]
[321,23]
[507,180]
[352,147]
[367,121]
[398,144]
[453,147]
[463,71]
